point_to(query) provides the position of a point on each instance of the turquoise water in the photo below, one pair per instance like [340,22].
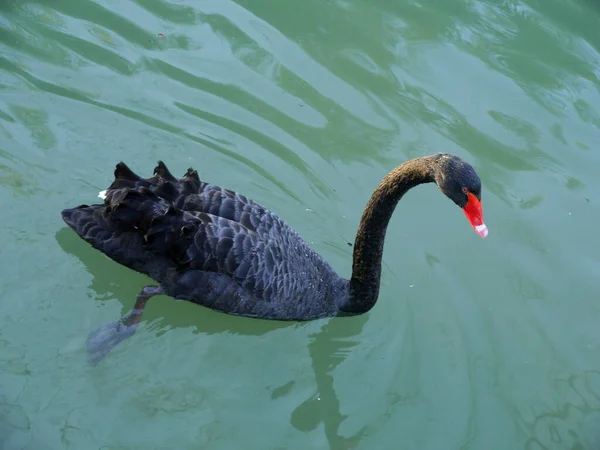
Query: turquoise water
[304,107]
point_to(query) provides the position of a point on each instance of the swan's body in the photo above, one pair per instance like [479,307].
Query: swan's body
[234,255]
[216,248]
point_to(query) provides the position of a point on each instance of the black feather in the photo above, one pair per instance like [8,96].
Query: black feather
[208,245]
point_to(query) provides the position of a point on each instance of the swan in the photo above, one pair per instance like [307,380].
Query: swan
[216,248]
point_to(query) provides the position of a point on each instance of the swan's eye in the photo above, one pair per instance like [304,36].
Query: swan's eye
[465,190]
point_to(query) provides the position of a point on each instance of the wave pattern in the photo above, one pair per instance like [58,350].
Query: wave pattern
[304,106]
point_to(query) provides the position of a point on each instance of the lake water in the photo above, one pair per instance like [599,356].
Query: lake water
[304,107]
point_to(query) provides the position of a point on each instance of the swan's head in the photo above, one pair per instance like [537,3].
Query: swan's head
[461,184]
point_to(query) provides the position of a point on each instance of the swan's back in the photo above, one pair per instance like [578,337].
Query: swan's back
[208,245]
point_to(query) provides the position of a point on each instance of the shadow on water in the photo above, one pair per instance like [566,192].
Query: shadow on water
[327,348]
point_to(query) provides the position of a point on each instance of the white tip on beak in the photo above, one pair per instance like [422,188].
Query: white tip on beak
[482,230]
[102,195]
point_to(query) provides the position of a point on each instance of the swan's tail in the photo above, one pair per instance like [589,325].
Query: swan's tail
[135,227]
[133,212]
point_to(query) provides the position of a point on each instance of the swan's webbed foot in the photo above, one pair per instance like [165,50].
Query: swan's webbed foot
[101,341]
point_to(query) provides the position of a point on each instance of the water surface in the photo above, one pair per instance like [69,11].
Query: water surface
[304,107]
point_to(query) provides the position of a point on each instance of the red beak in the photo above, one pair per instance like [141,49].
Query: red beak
[473,212]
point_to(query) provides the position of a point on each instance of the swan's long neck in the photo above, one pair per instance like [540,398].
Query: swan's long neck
[368,247]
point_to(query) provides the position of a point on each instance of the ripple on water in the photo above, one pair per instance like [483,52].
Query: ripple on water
[306,107]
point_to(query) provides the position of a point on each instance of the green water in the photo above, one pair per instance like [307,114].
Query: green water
[304,107]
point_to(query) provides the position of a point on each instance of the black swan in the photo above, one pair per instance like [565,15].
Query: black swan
[216,248]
